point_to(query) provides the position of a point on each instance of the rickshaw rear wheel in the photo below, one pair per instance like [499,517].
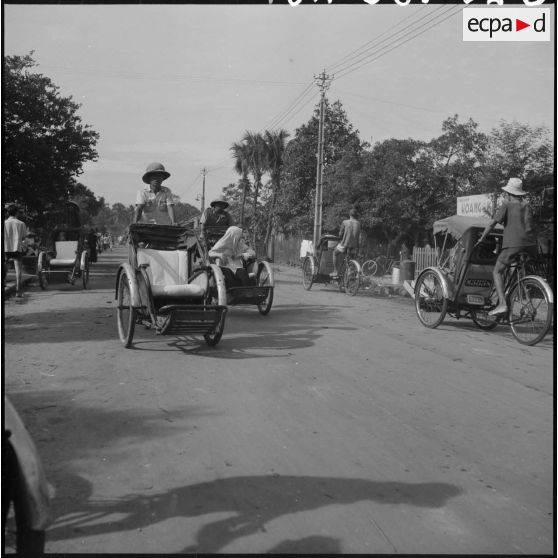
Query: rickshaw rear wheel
[308,272]
[216,295]
[483,320]
[530,311]
[430,303]
[265,279]
[125,312]
[351,278]
[85,271]
[42,270]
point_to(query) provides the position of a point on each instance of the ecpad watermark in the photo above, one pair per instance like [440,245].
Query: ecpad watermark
[506,24]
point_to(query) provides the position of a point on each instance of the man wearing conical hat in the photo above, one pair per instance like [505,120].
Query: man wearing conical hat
[216,215]
[517,217]
[155,203]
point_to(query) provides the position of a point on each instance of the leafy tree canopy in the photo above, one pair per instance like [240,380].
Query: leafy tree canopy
[45,141]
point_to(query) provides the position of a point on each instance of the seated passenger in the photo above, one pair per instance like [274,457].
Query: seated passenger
[232,250]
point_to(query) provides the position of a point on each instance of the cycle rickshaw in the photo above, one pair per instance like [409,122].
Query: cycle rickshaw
[461,283]
[317,268]
[66,255]
[260,283]
[167,285]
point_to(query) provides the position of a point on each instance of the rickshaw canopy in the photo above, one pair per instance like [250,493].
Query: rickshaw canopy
[456,225]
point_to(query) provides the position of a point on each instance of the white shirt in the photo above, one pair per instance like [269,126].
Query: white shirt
[15,232]
[154,208]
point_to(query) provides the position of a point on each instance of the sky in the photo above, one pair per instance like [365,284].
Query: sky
[179,84]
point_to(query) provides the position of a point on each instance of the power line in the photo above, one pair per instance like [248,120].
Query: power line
[372,41]
[376,55]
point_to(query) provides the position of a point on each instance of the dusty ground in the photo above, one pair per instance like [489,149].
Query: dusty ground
[332,425]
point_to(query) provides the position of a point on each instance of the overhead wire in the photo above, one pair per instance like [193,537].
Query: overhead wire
[373,56]
[365,47]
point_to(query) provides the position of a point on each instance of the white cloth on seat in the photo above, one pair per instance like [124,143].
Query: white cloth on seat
[168,273]
[65,252]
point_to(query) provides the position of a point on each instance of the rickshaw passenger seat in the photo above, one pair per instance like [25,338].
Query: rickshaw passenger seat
[168,273]
[65,252]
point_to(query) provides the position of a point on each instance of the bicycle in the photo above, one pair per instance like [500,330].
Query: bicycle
[382,265]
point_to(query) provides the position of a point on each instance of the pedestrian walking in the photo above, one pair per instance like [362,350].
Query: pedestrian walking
[15,233]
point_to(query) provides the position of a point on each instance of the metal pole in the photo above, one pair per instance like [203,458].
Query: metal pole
[204,172]
[323,83]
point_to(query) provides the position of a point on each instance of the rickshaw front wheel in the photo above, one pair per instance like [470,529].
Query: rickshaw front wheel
[125,312]
[308,272]
[430,303]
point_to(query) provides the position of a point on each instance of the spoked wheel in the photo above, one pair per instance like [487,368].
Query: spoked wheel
[530,311]
[85,270]
[125,312]
[42,270]
[216,295]
[483,321]
[308,272]
[351,278]
[265,279]
[430,303]
[370,268]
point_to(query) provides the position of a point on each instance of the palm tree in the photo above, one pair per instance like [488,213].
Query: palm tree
[240,154]
[276,144]
[257,165]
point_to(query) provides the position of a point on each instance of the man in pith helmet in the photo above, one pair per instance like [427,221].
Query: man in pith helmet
[155,203]
[216,215]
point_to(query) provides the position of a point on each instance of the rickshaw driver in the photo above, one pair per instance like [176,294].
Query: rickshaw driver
[517,217]
[350,239]
[216,215]
[155,204]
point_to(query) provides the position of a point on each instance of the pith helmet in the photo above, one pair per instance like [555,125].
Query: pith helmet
[219,200]
[155,168]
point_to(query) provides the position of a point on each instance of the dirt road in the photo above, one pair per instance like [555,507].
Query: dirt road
[332,425]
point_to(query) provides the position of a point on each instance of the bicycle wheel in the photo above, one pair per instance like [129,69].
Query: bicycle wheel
[530,310]
[483,320]
[430,303]
[370,268]
[125,312]
[308,271]
[351,278]
[265,279]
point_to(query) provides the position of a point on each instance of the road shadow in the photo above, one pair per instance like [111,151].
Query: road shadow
[291,327]
[251,503]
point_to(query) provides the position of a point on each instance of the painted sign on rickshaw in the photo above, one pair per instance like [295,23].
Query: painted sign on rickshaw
[480,205]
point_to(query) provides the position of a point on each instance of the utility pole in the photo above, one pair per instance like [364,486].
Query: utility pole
[323,81]
[204,172]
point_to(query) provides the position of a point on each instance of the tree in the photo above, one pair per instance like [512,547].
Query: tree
[241,166]
[88,202]
[257,164]
[295,206]
[275,151]
[45,141]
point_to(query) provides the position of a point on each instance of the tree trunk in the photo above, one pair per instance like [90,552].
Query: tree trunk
[242,205]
